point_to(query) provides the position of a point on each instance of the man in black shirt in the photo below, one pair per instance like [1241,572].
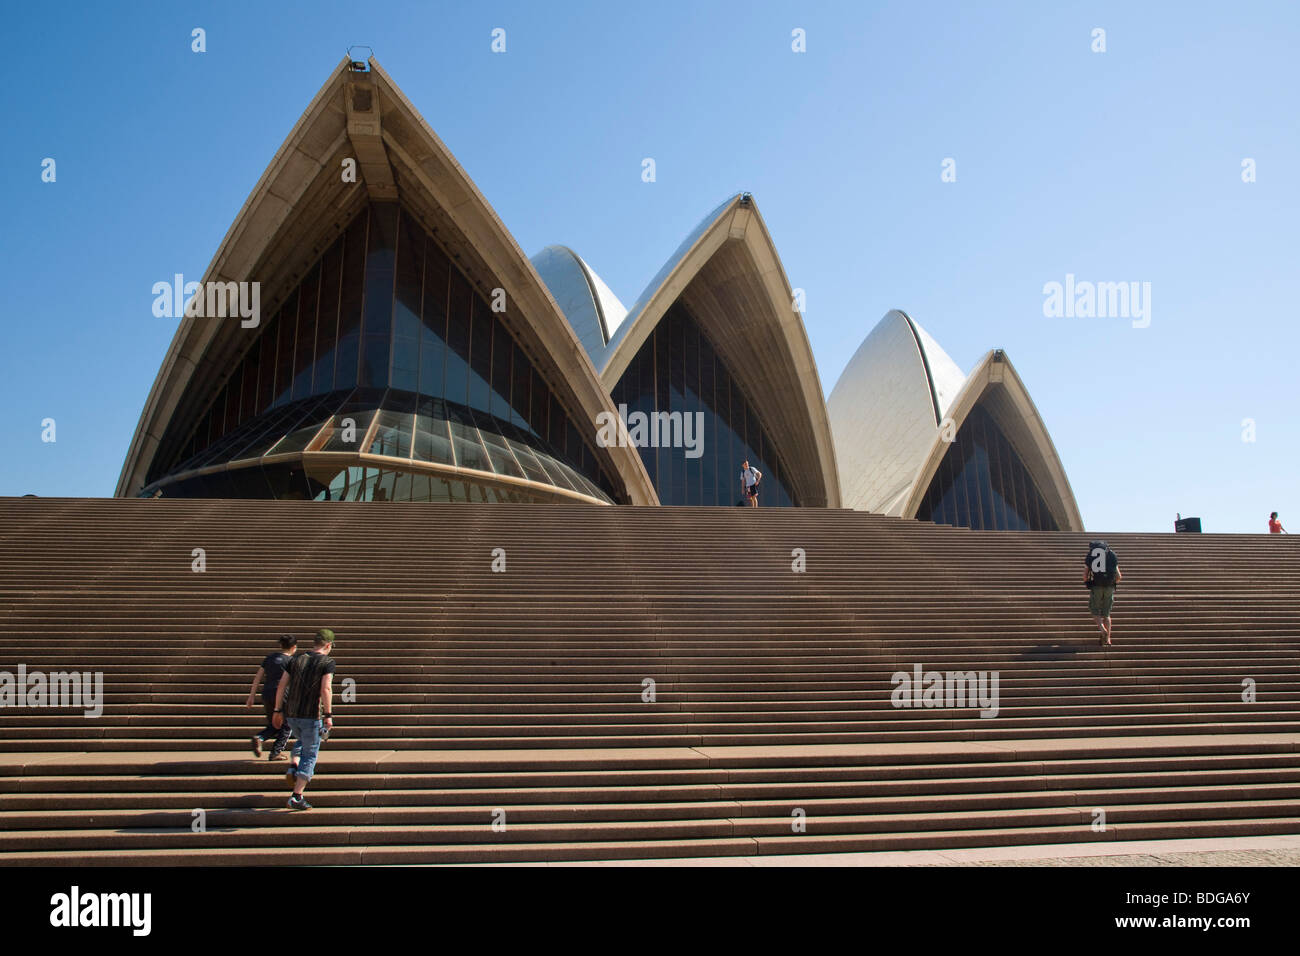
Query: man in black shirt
[268,678]
[303,702]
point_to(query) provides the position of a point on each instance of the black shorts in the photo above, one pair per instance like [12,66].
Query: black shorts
[752,491]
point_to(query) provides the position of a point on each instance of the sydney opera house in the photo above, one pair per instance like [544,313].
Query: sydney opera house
[408,350]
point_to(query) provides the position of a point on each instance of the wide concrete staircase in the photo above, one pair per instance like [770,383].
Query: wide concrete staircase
[509,716]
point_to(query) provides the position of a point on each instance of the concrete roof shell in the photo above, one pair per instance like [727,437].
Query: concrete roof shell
[996,385]
[301,204]
[886,411]
[729,276]
[591,307]
[890,407]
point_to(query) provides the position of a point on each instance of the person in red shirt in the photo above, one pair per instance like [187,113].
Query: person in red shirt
[1275,526]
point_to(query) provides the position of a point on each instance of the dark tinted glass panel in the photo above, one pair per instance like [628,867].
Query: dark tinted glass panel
[678,371]
[232,402]
[520,386]
[573,442]
[377,326]
[709,427]
[433,325]
[555,425]
[969,479]
[987,488]
[285,350]
[348,431]
[539,406]
[982,483]
[248,400]
[480,373]
[555,473]
[218,417]
[671,435]
[406,307]
[501,379]
[468,449]
[385,300]
[287,481]
[327,318]
[528,462]
[739,450]
[304,354]
[668,491]
[393,435]
[266,365]
[432,440]
[201,439]
[246,483]
[300,434]
[999,481]
[458,326]
[503,461]
[351,300]
[259,431]
[728,467]
[466,445]
[689,406]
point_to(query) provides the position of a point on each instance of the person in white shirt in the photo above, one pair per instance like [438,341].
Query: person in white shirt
[749,479]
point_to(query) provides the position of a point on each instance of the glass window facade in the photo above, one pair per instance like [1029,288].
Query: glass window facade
[678,370]
[395,424]
[294,481]
[982,483]
[386,330]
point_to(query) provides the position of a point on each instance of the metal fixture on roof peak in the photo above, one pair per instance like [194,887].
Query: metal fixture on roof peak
[359,66]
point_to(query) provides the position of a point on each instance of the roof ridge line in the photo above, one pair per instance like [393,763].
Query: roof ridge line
[925,361]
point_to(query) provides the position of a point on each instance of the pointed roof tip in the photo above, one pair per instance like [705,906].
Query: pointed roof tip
[606,299]
[591,308]
[606,313]
[944,377]
[684,248]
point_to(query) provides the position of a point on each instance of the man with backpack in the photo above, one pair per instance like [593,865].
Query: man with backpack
[1100,575]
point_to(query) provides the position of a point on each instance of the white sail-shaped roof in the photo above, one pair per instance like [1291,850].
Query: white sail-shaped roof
[592,308]
[727,273]
[301,203]
[900,401]
[886,409]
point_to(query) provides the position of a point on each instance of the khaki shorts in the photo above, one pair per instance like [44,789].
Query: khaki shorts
[1100,600]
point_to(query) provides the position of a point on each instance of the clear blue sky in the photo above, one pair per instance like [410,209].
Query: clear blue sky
[1115,166]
